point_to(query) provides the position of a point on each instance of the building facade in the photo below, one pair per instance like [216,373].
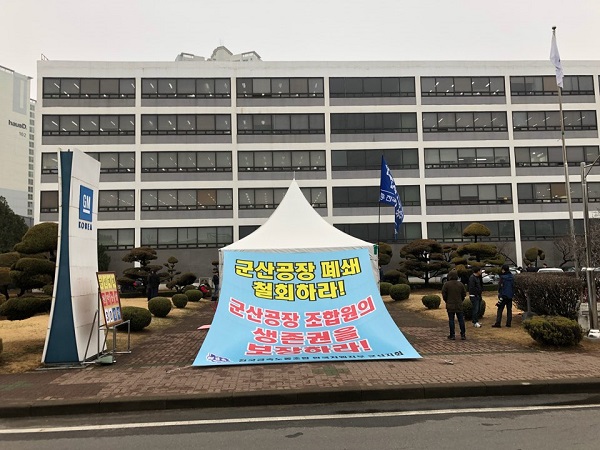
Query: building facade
[17,118]
[197,153]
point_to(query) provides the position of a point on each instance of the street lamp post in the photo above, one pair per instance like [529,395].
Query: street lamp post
[589,270]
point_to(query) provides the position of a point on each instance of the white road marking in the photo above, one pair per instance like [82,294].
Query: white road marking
[184,423]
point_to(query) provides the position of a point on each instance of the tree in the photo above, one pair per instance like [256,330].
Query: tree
[385,254]
[13,227]
[37,255]
[41,238]
[423,258]
[475,230]
[138,276]
[532,255]
[478,254]
[6,262]
[182,281]
[171,270]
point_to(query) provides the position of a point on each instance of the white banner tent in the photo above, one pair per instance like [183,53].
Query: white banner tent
[296,227]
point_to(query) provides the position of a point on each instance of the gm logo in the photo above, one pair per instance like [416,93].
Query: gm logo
[86,197]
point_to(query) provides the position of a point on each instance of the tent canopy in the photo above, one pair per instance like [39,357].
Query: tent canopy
[294,227]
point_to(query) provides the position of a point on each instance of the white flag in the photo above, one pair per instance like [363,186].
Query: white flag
[555,58]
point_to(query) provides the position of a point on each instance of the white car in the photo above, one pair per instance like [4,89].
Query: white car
[550,269]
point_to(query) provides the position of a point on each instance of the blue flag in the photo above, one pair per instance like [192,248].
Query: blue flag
[389,194]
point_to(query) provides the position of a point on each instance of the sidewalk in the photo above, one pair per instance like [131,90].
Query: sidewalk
[157,375]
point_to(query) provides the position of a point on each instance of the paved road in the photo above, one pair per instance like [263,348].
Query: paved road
[496,423]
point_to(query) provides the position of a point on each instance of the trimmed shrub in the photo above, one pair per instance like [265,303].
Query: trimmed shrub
[394,277]
[189,287]
[2,299]
[194,295]
[550,294]
[554,330]
[160,306]
[468,308]
[431,301]
[22,308]
[179,300]
[400,291]
[180,282]
[384,288]
[139,318]
[48,289]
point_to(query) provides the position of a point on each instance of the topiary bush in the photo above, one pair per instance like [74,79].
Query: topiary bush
[554,330]
[160,306]
[21,308]
[2,299]
[394,277]
[431,301]
[400,291]
[550,294]
[384,288]
[179,300]
[468,308]
[189,287]
[194,295]
[139,318]
[48,289]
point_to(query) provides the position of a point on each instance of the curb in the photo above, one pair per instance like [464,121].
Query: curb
[305,396]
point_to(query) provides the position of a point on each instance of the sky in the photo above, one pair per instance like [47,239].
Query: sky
[296,30]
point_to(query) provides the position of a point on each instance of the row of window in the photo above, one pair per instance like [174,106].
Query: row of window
[343,197]
[447,232]
[341,160]
[342,123]
[288,87]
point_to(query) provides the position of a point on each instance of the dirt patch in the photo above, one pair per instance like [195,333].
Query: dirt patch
[23,340]
[516,333]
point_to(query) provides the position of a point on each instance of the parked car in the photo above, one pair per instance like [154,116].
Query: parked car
[550,269]
[490,278]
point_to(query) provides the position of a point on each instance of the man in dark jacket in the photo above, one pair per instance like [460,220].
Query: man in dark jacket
[453,293]
[505,296]
[475,291]
[153,284]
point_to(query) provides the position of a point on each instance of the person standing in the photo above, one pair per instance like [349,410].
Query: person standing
[475,291]
[215,281]
[453,293]
[505,296]
[153,284]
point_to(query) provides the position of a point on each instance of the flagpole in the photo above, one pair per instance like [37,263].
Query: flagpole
[566,167]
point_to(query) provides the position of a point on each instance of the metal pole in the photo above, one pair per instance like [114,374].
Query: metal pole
[590,274]
[567,183]
[566,167]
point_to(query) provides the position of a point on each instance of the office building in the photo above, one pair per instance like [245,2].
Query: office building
[17,118]
[196,153]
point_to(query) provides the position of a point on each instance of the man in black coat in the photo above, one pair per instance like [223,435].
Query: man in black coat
[475,291]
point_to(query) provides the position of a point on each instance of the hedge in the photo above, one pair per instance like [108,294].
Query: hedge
[139,318]
[194,295]
[179,300]
[400,291]
[550,294]
[431,301]
[468,308]
[384,288]
[160,306]
[21,308]
[554,330]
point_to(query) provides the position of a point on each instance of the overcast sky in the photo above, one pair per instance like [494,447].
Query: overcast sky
[299,30]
